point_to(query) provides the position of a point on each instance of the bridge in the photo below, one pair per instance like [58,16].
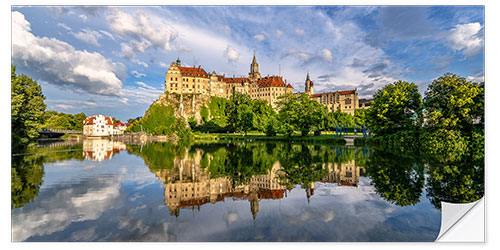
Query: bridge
[349,139]
[51,133]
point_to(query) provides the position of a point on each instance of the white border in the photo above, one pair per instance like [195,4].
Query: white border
[492,127]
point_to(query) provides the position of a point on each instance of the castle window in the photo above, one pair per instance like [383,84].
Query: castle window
[347,101]
[176,79]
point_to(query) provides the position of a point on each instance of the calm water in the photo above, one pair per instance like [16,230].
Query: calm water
[102,190]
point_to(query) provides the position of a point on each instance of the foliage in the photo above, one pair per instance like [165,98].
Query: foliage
[55,120]
[396,107]
[271,126]
[453,103]
[300,113]
[397,177]
[27,109]
[160,120]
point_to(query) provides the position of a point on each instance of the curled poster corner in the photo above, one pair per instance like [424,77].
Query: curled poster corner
[462,222]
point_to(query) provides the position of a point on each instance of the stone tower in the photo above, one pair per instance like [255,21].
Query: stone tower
[309,85]
[254,69]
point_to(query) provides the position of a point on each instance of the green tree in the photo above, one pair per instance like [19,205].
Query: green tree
[455,104]
[27,108]
[300,113]
[396,107]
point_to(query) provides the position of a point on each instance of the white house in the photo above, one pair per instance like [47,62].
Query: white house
[99,125]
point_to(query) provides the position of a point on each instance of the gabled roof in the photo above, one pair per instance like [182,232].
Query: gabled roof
[191,71]
[89,121]
[344,92]
[235,80]
[272,81]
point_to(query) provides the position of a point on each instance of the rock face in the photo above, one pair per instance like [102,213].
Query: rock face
[185,105]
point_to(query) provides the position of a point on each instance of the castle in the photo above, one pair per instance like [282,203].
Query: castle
[195,80]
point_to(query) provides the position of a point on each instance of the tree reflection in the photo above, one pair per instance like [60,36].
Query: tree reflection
[398,178]
[457,181]
[27,169]
[301,164]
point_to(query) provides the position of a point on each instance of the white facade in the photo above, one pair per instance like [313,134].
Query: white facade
[99,125]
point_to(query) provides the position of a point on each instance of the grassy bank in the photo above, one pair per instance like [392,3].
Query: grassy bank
[254,136]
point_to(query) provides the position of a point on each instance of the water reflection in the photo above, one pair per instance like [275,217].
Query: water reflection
[109,190]
[202,173]
[101,149]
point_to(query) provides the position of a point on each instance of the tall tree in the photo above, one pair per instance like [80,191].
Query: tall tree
[27,106]
[453,103]
[396,107]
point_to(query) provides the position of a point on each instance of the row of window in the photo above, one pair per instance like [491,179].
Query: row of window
[185,79]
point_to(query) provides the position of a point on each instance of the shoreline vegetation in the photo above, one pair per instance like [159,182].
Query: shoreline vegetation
[447,120]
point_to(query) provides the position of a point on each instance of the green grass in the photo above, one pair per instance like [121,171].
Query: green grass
[258,136]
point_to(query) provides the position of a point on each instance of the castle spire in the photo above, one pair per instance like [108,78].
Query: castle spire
[307,76]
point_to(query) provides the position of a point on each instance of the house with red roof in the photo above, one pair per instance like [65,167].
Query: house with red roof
[99,125]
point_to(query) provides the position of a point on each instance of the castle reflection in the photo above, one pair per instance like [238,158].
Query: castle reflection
[188,185]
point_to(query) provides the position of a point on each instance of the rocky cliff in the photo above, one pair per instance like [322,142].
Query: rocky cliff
[185,105]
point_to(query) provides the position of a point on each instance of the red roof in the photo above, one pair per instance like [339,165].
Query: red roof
[271,81]
[89,121]
[108,121]
[235,80]
[189,71]
[344,92]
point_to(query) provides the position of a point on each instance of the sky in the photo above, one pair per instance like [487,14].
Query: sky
[113,60]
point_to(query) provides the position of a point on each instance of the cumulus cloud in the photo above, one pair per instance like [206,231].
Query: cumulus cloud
[164,65]
[60,63]
[88,36]
[231,54]
[259,37]
[467,38]
[145,30]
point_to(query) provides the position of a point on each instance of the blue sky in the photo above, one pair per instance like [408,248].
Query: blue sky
[112,60]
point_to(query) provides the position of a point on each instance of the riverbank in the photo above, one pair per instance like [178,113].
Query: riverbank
[328,138]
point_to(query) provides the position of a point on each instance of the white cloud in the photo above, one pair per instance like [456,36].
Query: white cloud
[231,54]
[64,26]
[327,55]
[88,36]
[140,63]
[140,94]
[143,28]
[259,37]
[124,100]
[299,31]
[137,74]
[466,38]
[127,51]
[107,34]
[64,106]
[145,85]
[83,17]
[60,63]
[164,65]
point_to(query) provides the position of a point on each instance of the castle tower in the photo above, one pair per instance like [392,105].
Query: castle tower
[254,69]
[309,85]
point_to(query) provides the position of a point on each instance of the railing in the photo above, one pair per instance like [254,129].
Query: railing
[60,131]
